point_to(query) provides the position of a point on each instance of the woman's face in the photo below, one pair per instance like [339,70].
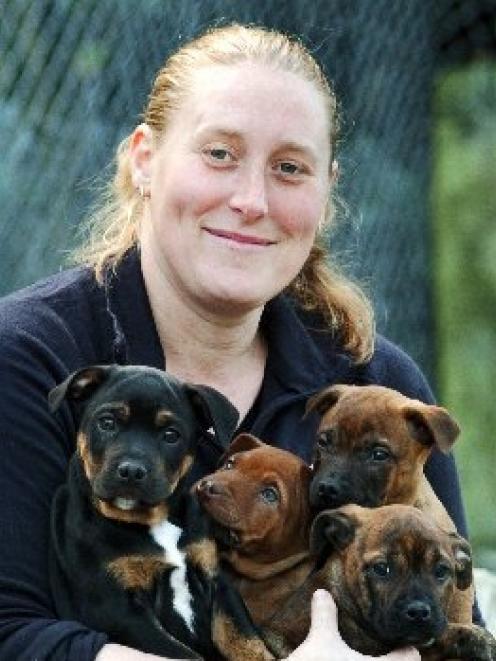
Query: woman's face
[238,185]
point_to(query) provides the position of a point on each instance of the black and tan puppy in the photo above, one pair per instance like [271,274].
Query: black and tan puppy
[393,573]
[131,553]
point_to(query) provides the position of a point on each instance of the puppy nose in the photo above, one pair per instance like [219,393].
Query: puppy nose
[209,487]
[131,471]
[328,490]
[418,611]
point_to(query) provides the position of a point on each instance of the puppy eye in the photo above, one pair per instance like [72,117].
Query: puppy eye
[107,422]
[322,439]
[270,495]
[325,438]
[442,572]
[381,569]
[228,465]
[380,454]
[171,435]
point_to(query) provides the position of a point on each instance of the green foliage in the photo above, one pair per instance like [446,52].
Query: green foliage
[465,262]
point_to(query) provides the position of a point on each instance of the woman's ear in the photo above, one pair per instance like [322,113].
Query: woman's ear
[141,150]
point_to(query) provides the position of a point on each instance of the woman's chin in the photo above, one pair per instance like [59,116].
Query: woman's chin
[234,302]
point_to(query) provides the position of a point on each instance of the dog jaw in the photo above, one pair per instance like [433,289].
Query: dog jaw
[146,516]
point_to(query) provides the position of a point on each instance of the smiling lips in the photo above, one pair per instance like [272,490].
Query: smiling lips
[240,238]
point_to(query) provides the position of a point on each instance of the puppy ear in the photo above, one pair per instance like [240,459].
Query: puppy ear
[463,562]
[213,410]
[431,425]
[243,442]
[325,399]
[332,530]
[79,385]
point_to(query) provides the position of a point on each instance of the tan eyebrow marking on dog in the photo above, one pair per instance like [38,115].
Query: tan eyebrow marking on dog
[163,417]
[121,409]
[90,466]
[136,571]
[203,554]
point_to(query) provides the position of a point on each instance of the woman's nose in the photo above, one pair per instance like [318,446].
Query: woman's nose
[250,195]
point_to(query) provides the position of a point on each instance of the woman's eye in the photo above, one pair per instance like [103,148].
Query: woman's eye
[287,167]
[107,422]
[380,454]
[228,464]
[290,169]
[171,435]
[219,154]
[270,494]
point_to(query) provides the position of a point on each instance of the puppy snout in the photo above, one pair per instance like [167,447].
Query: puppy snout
[209,487]
[330,491]
[418,612]
[132,471]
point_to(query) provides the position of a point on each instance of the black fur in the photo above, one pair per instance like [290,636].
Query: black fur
[138,436]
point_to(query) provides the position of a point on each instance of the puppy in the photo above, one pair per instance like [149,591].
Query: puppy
[259,501]
[131,553]
[371,448]
[393,573]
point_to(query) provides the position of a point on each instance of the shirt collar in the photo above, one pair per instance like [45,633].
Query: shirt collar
[127,300]
[302,350]
[303,354]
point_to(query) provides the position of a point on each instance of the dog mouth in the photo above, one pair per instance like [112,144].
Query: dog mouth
[222,515]
[125,504]
[128,500]
[420,639]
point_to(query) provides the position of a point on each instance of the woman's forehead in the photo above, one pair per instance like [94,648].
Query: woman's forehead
[236,98]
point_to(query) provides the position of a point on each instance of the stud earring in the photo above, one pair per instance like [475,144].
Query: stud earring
[143,193]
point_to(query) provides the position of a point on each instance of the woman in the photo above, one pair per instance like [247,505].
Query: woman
[206,260]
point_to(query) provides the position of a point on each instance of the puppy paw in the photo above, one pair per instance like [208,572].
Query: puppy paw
[468,642]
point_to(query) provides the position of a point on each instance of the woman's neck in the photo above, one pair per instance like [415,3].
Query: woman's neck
[224,351]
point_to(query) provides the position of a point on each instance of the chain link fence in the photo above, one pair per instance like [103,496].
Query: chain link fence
[74,75]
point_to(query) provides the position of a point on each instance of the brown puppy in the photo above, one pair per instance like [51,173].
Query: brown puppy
[393,573]
[371,448]
[259,499]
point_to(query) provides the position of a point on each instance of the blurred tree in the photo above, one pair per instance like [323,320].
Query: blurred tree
[465,246]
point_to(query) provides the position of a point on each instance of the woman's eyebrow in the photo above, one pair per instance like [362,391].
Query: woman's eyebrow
[219,132]
[294,146]
[304,149]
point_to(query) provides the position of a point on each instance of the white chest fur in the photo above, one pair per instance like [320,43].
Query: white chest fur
[166,534]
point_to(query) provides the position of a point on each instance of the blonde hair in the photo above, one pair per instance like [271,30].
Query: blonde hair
[114,227]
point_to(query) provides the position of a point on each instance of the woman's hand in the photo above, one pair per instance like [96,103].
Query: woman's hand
[324,642]
[114,652]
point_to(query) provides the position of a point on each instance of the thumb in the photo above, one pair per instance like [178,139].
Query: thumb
[324,614]
[406,654]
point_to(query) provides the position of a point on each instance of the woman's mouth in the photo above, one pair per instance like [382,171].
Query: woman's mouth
[235,237]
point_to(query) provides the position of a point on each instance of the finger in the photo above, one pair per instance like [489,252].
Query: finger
[324,612]
[407,654]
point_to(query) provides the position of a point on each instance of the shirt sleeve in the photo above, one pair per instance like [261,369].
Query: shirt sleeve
[35,446]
